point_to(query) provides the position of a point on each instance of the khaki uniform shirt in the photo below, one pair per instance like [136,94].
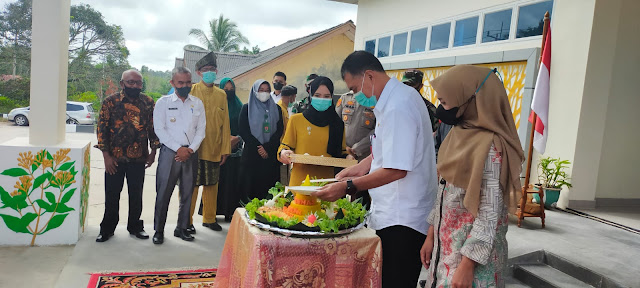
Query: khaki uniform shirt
[359,122]
[217,140]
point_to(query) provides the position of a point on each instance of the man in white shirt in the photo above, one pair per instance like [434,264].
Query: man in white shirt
[179,122]
[400,174]
[279,81]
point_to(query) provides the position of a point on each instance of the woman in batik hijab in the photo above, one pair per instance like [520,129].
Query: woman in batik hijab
[479,163]
[260,126]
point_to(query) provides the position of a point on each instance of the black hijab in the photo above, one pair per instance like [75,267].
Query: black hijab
[327,117]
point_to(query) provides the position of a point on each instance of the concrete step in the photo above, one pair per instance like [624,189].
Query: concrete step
[543,269]
[545,276]
[510,282]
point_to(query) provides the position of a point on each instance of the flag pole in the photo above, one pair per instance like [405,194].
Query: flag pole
[527,178]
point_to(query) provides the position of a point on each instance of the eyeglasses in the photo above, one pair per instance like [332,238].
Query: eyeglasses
[133,82]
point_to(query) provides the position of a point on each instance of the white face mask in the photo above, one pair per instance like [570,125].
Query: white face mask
[263,96]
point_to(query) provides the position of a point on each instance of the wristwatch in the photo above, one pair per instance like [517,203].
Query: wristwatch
[351,189]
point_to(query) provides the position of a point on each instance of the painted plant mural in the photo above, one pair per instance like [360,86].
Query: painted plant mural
[37,202]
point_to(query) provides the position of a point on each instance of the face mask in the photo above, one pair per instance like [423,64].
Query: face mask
[290,105]
[209,76]
[230,93]
[184,91]
[263,96]
[321,104]
[132,92]
[277,86]
[364,100]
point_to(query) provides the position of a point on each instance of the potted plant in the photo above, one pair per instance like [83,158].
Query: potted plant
[553,177]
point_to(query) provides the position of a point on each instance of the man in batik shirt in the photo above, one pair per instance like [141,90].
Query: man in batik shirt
[125,132]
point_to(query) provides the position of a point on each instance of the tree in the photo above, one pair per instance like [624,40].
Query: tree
[15,32]
[254,50]
[223,36]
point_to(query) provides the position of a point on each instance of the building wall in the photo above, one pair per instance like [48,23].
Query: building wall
[619,159]
[377,18]
[513,74]
[325,59]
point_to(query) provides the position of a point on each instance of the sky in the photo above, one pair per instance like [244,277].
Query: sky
[156,30]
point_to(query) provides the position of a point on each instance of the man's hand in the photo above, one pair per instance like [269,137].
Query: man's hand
[263,153]
[463,276]
[284,156]
[151,158]
[224,159]
[234,141]
[331,192]
[183,154]
[110,163]
[350,157]
[427,249]
[356,171]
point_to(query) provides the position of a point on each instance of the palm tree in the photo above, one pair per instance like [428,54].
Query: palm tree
[223,36]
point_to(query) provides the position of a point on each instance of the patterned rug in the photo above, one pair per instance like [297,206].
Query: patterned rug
[158,279]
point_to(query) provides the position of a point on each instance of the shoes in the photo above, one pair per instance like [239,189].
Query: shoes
[103,237]
[227,219]
[213,226]
[140,234]
[158,237]
[191,229]
[183,234]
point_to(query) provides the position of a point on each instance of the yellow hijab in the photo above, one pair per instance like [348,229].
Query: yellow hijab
[485,120]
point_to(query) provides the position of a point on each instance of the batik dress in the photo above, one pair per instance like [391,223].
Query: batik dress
[481,239]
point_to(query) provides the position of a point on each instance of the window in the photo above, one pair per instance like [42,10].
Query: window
[531,19]
[496,26]
[440,36]
[466,32]
[418,41]
[90,108]
[370,46]
[74,107]
[383,46]
[400,43]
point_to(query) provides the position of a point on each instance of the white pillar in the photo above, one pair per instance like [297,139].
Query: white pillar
[49,68]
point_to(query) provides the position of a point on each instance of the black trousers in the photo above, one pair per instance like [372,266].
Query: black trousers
[134,172]
[400,256]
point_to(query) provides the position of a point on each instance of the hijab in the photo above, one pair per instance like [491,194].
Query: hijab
[485,120]
[257,112]
[327,117]
[234,104]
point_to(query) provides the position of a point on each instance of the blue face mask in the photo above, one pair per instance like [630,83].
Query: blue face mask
[209,76]
[321,104]
[364,100]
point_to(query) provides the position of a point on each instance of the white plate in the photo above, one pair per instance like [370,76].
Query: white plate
[304,190]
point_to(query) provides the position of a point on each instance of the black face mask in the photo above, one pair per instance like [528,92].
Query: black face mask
[230,93]
[184,91]
[277,86]
[449,116]
[132,92]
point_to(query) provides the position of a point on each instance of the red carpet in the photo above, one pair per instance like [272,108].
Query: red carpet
[158,279]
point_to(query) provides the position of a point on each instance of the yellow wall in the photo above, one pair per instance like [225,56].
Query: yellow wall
[512,73]
[324,59]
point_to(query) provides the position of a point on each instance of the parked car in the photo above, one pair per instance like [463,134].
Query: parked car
[77,113]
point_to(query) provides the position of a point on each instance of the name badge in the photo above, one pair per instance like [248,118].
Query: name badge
[175,108]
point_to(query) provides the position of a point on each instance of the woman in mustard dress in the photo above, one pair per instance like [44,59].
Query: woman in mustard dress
[318,131]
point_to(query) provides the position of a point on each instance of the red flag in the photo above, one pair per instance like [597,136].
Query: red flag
[540,102]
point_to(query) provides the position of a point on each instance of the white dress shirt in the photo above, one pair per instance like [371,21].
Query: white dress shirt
[178,123]
[276,98]
[403,140]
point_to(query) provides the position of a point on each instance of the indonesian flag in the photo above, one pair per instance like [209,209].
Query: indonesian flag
[540,103]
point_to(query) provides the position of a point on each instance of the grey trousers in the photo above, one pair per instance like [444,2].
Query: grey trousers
[169,171]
